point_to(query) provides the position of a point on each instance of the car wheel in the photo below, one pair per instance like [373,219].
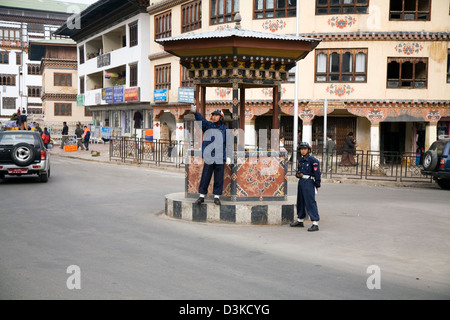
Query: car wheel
[444,183]
[22,154]
[430,160]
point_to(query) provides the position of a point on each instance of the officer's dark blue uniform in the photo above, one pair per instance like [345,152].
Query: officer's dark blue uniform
[308,172]
[216,167]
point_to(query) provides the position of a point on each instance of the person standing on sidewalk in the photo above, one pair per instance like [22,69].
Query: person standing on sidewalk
[87,136]
[308,173]
[64,135]
[79,134]
[331,145]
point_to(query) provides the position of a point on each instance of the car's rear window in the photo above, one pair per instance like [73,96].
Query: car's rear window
[15,138]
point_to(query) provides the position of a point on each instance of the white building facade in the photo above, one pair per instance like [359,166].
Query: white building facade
[20,78]
[113,66]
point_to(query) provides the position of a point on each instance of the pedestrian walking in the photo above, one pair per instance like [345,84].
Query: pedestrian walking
[46,137]
[87,136]
[64,135]
[308,173]
[79,134]
[331,146]
[212,164]
[349,150]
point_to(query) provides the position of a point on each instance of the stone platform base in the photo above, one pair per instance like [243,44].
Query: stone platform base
[255,212]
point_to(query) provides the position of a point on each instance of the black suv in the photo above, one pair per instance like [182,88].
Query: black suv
[23,153]
[436,163]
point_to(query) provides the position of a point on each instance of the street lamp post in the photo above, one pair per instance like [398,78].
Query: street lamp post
[295,130]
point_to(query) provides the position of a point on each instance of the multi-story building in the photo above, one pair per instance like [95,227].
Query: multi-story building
[382,67]
[113,67]
[58,65]
[21,22]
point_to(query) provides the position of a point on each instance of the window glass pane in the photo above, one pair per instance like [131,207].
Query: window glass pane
[280,4]
[334,62]
[321,78]
[236,6]
[259,4]
[228,6]
[347,62]
[213,8]
[269,4]
[321,62]
[407,70]
[360,62]
[220,9]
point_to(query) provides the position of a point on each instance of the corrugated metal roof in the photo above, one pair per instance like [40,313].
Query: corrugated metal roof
[238,33]
[43,5]
[53,41]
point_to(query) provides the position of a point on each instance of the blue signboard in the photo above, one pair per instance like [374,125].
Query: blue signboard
[109,95]
[186,94]
[119,94]
[160,95]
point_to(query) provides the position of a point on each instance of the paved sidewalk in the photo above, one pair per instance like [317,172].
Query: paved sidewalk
[102,148]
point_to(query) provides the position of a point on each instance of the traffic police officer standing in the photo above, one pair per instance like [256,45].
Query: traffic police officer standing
[308,172]
[212,165]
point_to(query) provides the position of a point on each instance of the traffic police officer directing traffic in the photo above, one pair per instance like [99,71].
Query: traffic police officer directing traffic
[308,172]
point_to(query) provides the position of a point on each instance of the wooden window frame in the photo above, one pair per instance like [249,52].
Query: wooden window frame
[133,75]
[403,14]
[225,17]
[274,13]
[81,53]
[82,86]
[184,77]
[6,101]
[58,111]
[163,76]
[413,79]
[448,66]
[341,74]
[5,34]
[3,55]
[133,31]
[191,16]
[61,83]
[342,8]
[35,27]
[34,91]
[7,80]
[163,25]
[34,69]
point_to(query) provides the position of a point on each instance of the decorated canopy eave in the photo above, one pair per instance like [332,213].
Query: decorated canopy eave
[239,42]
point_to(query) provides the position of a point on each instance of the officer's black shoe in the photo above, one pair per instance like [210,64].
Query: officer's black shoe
[217,201]
[297,224]
[200,200]
[314,227]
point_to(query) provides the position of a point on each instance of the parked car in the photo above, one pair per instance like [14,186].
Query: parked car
[436,163]
[23,153]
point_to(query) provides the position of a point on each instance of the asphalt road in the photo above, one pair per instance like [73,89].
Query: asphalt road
[106,219]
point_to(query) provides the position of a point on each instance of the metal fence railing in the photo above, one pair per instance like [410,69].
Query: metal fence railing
[369,165]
